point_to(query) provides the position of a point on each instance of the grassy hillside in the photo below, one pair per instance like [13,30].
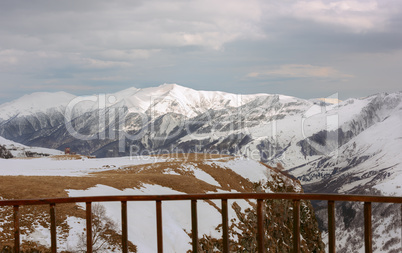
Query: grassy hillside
[183,173]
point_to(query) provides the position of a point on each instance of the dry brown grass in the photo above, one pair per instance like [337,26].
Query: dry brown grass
[189,157]
[25,158]
[185,181]
[30,187]
[68,157]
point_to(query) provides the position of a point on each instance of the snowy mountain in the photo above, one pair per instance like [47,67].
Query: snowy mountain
[368,161]
[92,122]
[40,102]
[176,174]
[332,146]
[176,99]
[158,100]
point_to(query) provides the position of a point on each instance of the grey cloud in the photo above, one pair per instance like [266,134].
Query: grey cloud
[201,44]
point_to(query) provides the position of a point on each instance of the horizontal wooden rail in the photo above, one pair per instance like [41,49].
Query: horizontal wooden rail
[224,197]
[292,196]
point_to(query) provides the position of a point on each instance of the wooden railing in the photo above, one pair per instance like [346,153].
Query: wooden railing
[260,197]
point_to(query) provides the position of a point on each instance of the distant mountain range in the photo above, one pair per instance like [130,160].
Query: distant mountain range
[350,146]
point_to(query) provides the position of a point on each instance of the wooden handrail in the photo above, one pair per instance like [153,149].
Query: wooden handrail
[292,196]
[296,197]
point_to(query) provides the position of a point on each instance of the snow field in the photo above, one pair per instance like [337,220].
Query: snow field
[176,217]
[73,168]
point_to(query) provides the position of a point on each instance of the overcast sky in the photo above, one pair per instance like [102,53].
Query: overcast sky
[305,49]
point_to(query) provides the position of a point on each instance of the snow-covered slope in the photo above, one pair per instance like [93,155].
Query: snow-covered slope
[367,161]
[151,176]
[20,150]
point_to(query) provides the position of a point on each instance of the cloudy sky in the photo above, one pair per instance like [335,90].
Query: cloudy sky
[302,48]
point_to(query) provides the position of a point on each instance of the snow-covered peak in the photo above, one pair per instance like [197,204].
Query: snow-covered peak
[120,95]
[179,99]
[155,100]
[34,103]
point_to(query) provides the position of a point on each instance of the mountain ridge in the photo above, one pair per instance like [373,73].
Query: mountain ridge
[348,147]
[133,96]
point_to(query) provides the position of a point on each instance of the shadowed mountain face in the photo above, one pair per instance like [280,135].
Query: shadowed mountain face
[350,147]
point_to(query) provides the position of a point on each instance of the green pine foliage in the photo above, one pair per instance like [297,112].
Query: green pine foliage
[278,224]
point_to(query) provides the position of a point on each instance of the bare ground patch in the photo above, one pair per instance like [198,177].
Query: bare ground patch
[68,157]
